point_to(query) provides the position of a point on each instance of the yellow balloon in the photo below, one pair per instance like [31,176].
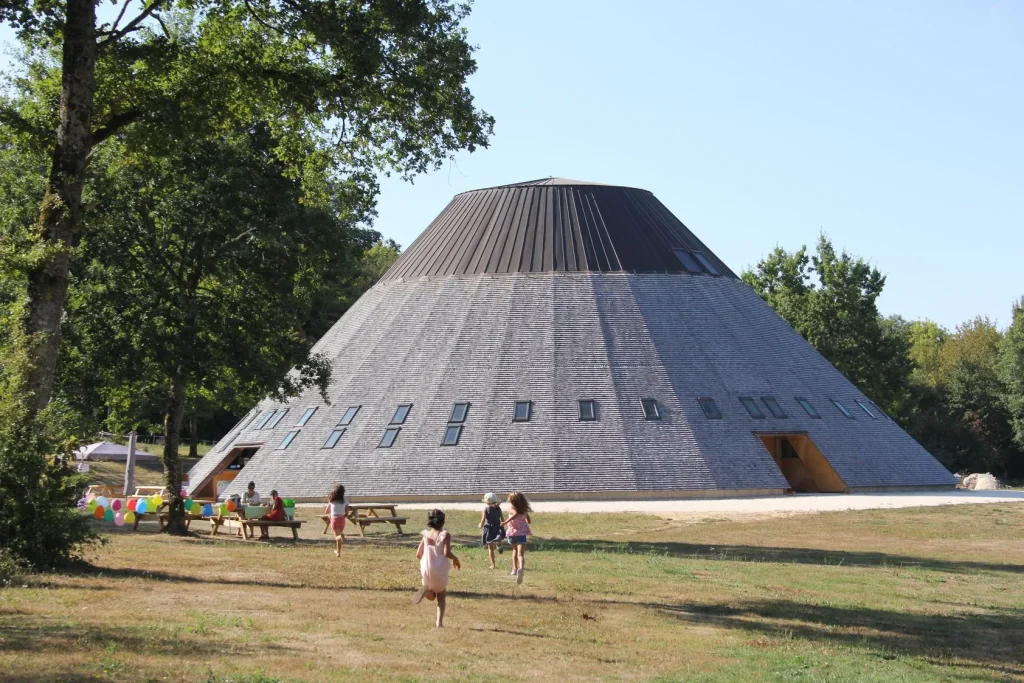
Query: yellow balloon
[157,500]
[129,517]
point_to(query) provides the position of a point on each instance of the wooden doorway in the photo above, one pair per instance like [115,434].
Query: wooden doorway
[225,472]
[802,464]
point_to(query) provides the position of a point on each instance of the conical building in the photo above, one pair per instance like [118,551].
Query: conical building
[570,340]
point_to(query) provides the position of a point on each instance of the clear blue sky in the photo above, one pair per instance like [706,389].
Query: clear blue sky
[897,128]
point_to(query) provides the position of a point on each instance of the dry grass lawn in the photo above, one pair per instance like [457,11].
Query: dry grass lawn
[919,594]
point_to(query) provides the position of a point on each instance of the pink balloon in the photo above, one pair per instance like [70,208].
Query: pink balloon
[184,493]
[118,519]
[115,505]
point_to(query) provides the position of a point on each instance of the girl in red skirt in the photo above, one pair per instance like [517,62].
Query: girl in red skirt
[337,508]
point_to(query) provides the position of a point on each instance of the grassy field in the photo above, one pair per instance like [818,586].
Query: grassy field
[147,473]
[919,594]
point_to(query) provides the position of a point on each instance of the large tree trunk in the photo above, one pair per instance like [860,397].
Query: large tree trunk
[62,202]
[173,417]
[193,441]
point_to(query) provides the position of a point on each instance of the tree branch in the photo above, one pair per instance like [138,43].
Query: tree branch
[132,25]
[116,123]
[120,16]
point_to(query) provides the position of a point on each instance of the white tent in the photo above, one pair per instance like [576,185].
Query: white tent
[104,450]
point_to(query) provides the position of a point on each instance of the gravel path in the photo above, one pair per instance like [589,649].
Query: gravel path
[758,507]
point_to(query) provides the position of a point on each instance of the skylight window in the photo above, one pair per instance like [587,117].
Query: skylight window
[711,268]
[523,411]
[751,405]
[349,415]
[808,408]
[774,408]
[278,416]
[451,435]
[288,438]
[710,408]
[651,411]
[880,411]
[588,411]
[401,413]
[842,408]
[390,434]
[687,261]
[305,417]
[332,440]
[867,410]
[459,411]
[265,419]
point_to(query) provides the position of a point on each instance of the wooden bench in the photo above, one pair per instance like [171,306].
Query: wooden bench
[189,518]
[371,517]
[248,524]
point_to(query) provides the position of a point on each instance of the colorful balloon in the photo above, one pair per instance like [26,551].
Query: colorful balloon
[101,501]
[183,493]
[129,517]
[98,512]
[231,505]
[197,508]
[91,496]
[141,507]
[157,501]
[119,519]
[108,515]
[115,504]
[208,510]
[92,505]
[132,502]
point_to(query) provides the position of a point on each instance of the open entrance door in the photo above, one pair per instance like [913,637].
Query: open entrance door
[226,471]
[802,464]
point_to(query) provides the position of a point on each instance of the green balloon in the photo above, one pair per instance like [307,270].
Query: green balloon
[108,516]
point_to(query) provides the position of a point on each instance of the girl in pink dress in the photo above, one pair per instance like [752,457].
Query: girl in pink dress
[434,552]
[517,528]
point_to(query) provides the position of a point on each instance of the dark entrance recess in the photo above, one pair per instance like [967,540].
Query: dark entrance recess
[802,464]
[230,466]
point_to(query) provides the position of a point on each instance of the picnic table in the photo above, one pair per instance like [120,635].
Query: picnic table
[248,524]
[365,514]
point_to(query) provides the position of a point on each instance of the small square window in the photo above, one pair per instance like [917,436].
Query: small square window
[265,419]
[305,417]
[711,268]
[710,408]
[867,410]
[459,411]
[751,405]
[808,408]
[278,416]
[349,415]
[774,408]
[288,438]
[588,411]
[651,411]
[687,261]
[332,440]
[401,413]
[390,434]
[451,435]
[523,411]
[842,408]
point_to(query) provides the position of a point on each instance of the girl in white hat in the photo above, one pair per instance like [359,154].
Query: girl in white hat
[490,522]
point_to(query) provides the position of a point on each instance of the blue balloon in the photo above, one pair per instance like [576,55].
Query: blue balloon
[140,507]
[208,510]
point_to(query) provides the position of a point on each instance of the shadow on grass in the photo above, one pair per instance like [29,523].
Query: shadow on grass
[750,553]
[989,641]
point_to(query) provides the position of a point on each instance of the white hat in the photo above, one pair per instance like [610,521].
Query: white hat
[491,499]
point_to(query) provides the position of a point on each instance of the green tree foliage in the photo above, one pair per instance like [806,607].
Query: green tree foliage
[348,86]
[926,340]
[830,299]
[199,270]
[1011,373]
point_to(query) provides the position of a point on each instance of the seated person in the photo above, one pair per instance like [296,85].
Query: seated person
[251,497]
[276,514]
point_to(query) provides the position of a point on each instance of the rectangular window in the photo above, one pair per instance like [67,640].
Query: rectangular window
[390,434]
[349,415]
[249,421]
[523,411]
[808,408]
[588,411]
[880,411]
[774,408]
[278,416]
[451,435]
[265,419]
[459,411]
[305,417]
[710,408]
[288,438]
[842,408]
[687,261]
[751,405]
[650,407]
[867,410]
[332,440]
[401,413]
[706,263]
